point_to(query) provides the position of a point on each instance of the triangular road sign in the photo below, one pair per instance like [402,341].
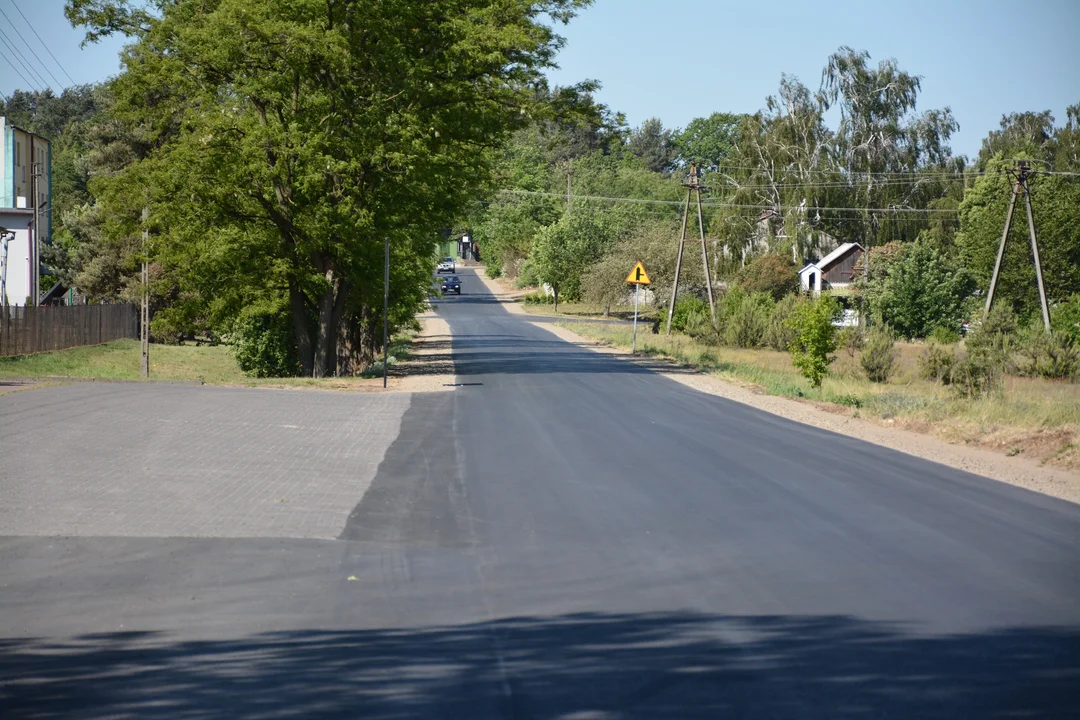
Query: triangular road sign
[639,276]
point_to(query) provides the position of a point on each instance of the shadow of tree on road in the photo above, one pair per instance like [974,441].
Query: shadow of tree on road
[648,666]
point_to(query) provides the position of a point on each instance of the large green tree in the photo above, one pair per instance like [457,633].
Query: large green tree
[294,137]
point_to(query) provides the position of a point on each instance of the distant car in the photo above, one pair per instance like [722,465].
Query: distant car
[451,284]
[446,265]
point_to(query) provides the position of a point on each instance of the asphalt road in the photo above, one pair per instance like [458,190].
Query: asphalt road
[567,536]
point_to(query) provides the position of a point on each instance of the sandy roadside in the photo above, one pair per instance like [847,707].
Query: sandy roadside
[430,367]
[1017,471]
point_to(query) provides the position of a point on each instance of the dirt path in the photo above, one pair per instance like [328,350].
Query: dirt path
[1018,471]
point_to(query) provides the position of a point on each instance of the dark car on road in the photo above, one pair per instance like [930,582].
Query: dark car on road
[451,284]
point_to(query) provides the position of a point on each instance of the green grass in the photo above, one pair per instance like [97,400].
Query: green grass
[120,360]
[646,313]
[1024,407]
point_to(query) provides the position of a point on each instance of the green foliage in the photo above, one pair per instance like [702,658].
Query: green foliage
[815,337]
[538,298]
[263,342]
[978,374]
[651,243]
[1065,316]
[1056,207]
[921,291]
[564,250]
[654,144]
[996,335]
[780,334]
[772,274]
[708,141]
[746,324]
[878,357]
[936,363]
[945,335]
[493,270]
[527,274]
[851,339]
[1054,355]
[686,307]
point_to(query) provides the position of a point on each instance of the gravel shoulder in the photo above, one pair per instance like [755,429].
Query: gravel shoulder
[1022,472]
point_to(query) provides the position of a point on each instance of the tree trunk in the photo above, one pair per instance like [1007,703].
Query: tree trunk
[298,310]
[555,289]
[331,312]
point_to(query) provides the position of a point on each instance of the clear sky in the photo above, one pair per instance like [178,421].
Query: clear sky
[680,59]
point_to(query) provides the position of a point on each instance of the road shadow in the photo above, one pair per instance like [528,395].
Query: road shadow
[626,666]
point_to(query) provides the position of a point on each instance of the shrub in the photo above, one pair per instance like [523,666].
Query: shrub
[527,274]
[1065,316]
[264,345]
[700,327]
[493,270]
[815,337]
[772,274]
[1054,355]
[936,363]
[977,374]
[851,339]
[944,335]
[878,357]
[538,298]
[779,334]
[747,323]
[684,308]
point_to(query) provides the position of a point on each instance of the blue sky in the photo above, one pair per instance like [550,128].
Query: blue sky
[680,59]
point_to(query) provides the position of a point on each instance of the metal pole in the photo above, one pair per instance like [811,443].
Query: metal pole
[705,256]
[637,293]
[678,263]
[144,318]
[1035,252]
[1001,249]
[386,314]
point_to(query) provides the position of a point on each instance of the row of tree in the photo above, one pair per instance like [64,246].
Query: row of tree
[579,202]
[274,147]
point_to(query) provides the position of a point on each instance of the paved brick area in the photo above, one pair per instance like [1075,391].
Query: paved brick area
[96,459]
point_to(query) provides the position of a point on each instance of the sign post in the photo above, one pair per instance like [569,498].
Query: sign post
[638,277]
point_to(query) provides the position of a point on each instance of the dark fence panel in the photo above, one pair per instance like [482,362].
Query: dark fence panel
[26,330]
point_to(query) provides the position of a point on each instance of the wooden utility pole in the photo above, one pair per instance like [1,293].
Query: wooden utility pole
[1020,174]
[693,187]
[144,310]
[569,183]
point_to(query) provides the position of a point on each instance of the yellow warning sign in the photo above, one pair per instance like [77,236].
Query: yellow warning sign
[639,276]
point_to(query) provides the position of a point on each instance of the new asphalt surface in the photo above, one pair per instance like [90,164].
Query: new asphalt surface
[568,535]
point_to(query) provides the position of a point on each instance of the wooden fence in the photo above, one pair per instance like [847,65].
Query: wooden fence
[26,330]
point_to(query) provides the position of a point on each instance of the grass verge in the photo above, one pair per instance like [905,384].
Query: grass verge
[1033,417]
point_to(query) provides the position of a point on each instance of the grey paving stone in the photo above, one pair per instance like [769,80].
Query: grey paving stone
[129,460]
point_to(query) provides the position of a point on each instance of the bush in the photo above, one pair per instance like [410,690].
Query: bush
[977,374]
[1065,316]
[936,363]
[815,337]
[1054,355]
[772,274]
[264,345]
[851,339]
[745,327]
[944,335]
[493,270]
[527,274]
[878,358]
[684,308]
[779,335]
[538,298]
[700,326]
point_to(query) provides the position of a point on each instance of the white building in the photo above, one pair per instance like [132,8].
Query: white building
[15,268]
[25,194]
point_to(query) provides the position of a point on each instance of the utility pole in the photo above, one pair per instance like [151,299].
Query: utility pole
[569,183]
[35,233]
[144,310]
[693,187]
[1020,174]
[386,313]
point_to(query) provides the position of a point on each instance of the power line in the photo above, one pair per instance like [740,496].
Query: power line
[22,61]
[62,68]
[31,50]
[745,206]
[21,76]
